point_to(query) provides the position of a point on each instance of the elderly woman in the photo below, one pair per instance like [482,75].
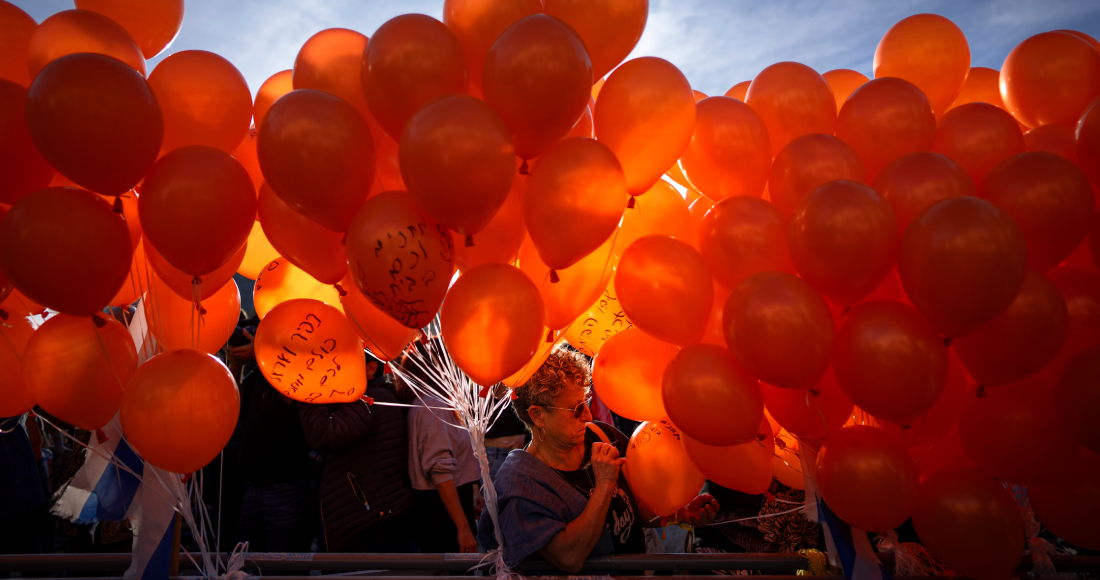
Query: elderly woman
[564,497]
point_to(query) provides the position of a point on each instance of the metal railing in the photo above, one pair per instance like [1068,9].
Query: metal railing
[382,565]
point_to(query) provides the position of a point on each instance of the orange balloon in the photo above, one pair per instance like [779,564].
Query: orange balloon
[316,152]
[1059,509]
[178,323]
[890,361]
[272,90]
[746,468]
[81,31]
[19,305]
[282,281]
[793,100]
[1078,395]
[538,77]
[1081,290]
[518,378]
[15,398]
[309,352]
[407,274]
[970,522]
[843,240]
[22,167]
[6,286]
[411,60]
[713,399]
[738,91]
[867,478]
[568,292]
[258,253]
[96,121]
[1049,198]
[300,240]
[884,120]
[787,464]
[197,208]
[714,334]
[180,409]
[383,336]
[1021,340]
[1088,142]
[779,329]
[917,181]
[204,98]
[574,200]
[610,30]
[478,23]
[843,82]
[1014,433]
[182,283]
[665,288]
[983,85]
[501,239]
[492,322]
[1094,243]
[698,210]
[1056,139]
[741,236]
[677,175]
[458,161]
[66,249]
[730,151]
[137,282]
[152,25]
[583,127]
[978,136]
[1050,78]
[816,413]
[808,162]
[627,374]
[76,367]
[594,327]
[245,153]
[933,425]
[646,115]
[332,61]
[661,211]
[929,51]
[16,29]
[962,262]
[659,471]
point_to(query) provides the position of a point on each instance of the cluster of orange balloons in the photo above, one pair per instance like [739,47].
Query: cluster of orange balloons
[752,272]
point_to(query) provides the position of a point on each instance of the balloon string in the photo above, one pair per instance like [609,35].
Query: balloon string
[154,292]
[8,342]
[103,345]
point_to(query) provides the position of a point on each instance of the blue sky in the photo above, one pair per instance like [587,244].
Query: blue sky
[716,43]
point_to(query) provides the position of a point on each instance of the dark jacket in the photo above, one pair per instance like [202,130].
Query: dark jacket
[367,464]
[273,446]
[20,489]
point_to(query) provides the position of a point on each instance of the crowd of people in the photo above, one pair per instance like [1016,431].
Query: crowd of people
[398,477]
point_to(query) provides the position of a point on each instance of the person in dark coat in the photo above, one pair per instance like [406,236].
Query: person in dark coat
[20,489]
[365,495]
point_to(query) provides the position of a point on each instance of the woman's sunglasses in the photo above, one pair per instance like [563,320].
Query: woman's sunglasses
[578,411]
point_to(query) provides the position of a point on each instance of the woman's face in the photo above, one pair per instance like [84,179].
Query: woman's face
[561,422]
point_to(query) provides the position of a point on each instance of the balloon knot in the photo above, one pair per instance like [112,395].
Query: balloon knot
[340,290]
[484,392]
[523,168]
[99,322]
[470,241]
[844,313]
[344,240]
[196,281]
[3,314]
[768,495]
[904,427]
[513,396]
[981,391]
[186,478]
[554,276]
[387,369]
[780,443]
[101,436]
[550,336]
[814,392]
[761,436]
[947,341]
[630,204]
[117,207]
[202,311]
[369,401]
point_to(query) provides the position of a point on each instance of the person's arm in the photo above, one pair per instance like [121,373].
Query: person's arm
[569,548]
[700,512]
[325,430]
[449,494]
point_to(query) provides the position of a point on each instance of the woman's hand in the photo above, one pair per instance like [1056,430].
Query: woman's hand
[606,463]
[700,512]
[467,543]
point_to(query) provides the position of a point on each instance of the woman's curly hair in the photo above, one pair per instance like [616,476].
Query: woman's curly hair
[564,369]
